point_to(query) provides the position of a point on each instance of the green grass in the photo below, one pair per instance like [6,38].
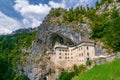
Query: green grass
[108,71]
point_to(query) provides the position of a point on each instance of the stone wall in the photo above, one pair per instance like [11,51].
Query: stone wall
[106,59]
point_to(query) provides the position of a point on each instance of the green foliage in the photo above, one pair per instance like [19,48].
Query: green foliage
[69,75]
[66,75]
[74,15]
[108,71]
[88,63]
[108,30]
[56,12]
[104,26]
[91,13]
[106,1]
[10,53]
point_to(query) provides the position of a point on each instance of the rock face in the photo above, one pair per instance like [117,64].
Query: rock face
[38,62]
[67,35]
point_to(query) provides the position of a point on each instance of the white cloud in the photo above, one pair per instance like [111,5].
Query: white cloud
[57,5]
[32,14]
[7,24]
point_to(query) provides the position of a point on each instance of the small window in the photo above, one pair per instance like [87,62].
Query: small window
[71,53]
[65,57]
[59,53]
[60,57]
[60,50]
[82,54]
[87,54]
[87,47]
[71,57]
[88,59]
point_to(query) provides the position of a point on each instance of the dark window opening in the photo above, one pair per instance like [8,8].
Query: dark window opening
[87,54]
[88,59]
[71,57]
[60,57]
[65,57]
[82,54]
[87,47]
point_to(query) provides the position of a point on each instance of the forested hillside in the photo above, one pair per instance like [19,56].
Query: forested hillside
[103,21]
[11,52]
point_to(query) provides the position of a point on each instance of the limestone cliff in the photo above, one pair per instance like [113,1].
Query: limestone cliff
[51,30]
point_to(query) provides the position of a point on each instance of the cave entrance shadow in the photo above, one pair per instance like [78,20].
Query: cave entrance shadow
[61,39]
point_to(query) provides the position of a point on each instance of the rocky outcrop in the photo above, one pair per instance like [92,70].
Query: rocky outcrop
[65,34]
[39,64]
[108,7]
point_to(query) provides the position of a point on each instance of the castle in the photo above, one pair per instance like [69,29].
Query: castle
[65,56]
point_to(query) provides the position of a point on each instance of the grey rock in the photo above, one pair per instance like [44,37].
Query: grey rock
[65,34]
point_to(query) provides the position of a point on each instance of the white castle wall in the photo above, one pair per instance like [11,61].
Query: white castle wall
[66,57]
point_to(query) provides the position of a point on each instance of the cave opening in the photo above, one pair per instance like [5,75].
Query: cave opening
[61,39]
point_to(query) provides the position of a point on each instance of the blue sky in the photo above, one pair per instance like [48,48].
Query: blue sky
[16,14]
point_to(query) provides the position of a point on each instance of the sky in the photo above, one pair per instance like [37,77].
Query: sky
[17,14]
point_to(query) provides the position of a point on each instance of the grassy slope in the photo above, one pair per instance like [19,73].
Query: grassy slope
[108,71]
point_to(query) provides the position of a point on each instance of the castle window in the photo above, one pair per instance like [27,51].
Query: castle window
[71,53]
[60,57]
[87,47]
[60,49]
[65,57]
[88,59]
[82,54]
[59,53]
[65,53]
[71,57]
[87,54]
